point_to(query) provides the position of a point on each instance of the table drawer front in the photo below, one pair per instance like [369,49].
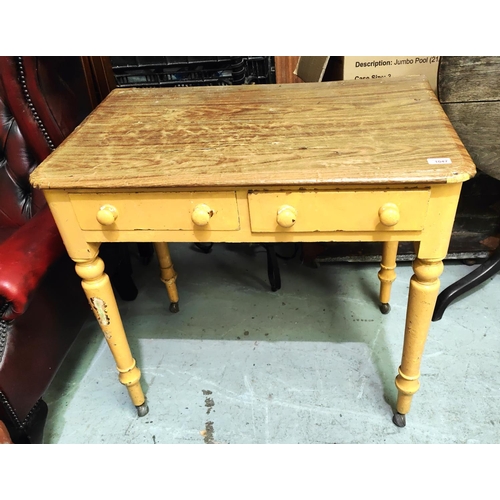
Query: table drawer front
[308,211]
[202,211]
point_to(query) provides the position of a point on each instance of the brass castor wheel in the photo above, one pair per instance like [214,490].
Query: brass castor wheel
[399,419]
[174,307]
[143,409]
[385,308]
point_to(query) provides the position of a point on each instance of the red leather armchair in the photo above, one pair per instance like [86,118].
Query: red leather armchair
[42,305]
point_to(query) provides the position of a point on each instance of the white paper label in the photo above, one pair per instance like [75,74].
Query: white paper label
[438,161]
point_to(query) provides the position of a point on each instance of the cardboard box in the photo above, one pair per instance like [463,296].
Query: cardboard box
[329,68]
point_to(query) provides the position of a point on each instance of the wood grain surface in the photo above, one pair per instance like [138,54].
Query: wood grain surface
[285,66]
[469,78]
[469,90]
[477,126]
[346,132]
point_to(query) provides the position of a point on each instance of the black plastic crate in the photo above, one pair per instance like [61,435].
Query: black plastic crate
[184,71]
[144,62]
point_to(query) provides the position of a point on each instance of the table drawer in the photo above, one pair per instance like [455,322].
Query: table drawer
[308,211]
[157,211]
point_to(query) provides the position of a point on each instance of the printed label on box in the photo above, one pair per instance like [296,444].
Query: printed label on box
[370,67]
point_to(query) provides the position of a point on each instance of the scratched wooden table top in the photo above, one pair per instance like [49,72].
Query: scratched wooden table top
[349,132]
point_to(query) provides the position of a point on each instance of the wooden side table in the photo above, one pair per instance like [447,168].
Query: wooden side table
[334,161]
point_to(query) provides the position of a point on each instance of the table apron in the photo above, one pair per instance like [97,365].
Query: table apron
[422,214]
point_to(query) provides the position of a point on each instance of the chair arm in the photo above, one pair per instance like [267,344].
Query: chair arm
[24,259]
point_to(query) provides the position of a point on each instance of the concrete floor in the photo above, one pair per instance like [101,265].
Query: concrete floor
[312,363]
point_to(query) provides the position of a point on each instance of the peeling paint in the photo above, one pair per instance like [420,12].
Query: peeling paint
[99,308]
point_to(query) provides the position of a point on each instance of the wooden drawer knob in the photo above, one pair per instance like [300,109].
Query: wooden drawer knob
[286,216]
[201,214]
[107,215]
[389,214]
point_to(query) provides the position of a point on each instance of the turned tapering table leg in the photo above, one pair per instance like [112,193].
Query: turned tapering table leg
[168,274]
[387,275]
[99,292]
[424,289]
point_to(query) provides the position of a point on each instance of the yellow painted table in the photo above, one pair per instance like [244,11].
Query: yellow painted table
[337,161]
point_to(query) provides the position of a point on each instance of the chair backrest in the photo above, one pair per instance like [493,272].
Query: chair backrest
[42,100]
